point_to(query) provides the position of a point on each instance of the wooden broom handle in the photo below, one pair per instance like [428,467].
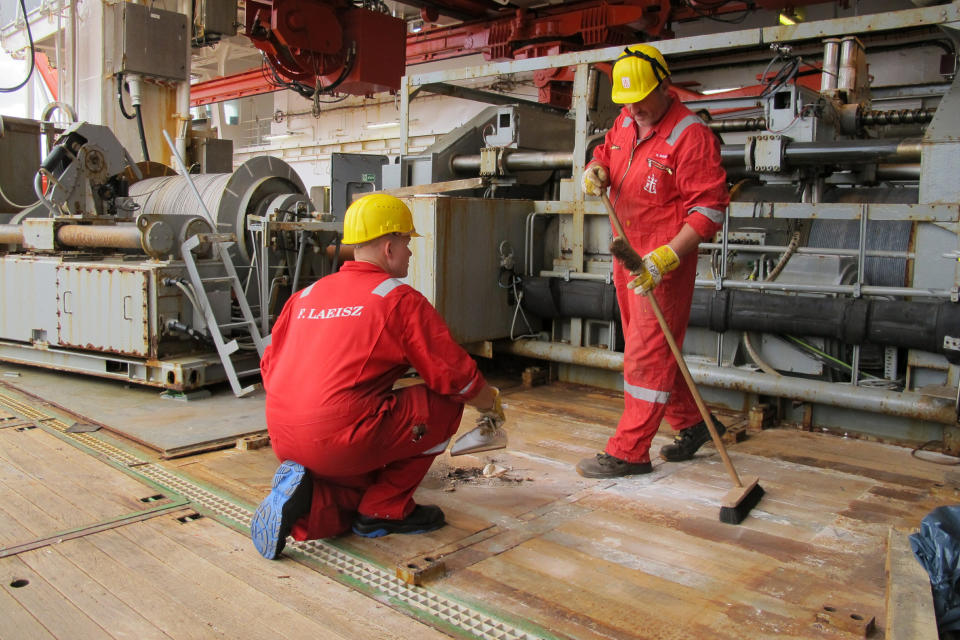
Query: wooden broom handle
[678,356]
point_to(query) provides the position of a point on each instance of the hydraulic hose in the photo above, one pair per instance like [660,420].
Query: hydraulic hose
[143,137]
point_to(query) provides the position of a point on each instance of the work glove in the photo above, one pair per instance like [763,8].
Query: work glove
[595,179]
[494,415]
[656,263]
[488,434]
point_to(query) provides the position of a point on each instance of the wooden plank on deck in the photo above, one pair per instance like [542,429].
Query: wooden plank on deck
[910,613]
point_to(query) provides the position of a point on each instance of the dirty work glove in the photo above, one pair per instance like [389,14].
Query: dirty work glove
[595,179]
[494,415]
[656,263]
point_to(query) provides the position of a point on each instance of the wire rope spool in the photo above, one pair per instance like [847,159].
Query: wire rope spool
[229,197]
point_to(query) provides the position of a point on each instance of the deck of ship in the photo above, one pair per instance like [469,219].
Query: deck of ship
[100,537]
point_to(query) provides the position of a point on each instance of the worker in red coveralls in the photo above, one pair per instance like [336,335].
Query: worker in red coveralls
[663,168]
[354,449]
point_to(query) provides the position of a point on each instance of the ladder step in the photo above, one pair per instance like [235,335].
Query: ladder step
[248,390]
[217,279]
[248,372]
[217,237]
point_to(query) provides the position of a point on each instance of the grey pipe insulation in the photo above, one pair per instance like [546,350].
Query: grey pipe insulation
[928,326]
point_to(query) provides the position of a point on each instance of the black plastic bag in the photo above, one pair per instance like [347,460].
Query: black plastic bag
[937,547]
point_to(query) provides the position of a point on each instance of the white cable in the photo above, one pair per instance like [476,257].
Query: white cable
[190,295]
[14,204]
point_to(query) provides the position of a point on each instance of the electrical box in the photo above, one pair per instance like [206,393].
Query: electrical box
[463,262]
[147,41]
[212,154]
[352,174]
[214,19]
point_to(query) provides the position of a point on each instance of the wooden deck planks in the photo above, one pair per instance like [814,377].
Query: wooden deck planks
[197,586]
[910,612]
[154,579]
[18,622]
[109,566]
[60,617]
[163,579]
[50,486]
[865,458]
[102,606]
[623,558]
[344,613]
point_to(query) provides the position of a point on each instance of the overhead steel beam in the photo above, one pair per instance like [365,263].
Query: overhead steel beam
[239,85]
[488,97]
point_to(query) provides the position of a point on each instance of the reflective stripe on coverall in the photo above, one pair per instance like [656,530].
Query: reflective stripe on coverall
[336,351]
[670,178]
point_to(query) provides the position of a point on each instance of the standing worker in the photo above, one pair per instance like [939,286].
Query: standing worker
[667,184]
[353,450]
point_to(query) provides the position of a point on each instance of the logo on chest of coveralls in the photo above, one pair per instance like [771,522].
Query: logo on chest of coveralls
[650,186]
[326,314]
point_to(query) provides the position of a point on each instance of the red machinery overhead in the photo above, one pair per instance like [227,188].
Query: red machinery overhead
[328,45]
[585,25]
[337,47]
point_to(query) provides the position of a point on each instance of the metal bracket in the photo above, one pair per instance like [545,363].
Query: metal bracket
[767,153]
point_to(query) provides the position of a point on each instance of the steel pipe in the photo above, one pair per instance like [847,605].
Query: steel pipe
[910,171]
[759,248]
[867,290]
[851,52]
[738,124]
[831,64]
[905,150]
[869,119]
[899,151]
[518,161]
[576,275]
[11,234]
[906,404]
[107,236]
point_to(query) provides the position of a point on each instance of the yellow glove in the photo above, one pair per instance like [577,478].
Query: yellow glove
[595,179]
[495,413]
[656,263]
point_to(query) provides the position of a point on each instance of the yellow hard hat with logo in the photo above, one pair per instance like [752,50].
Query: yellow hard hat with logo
[639,70]
[376,215]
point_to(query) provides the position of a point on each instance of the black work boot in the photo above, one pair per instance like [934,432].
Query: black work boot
[423,518]
[689,440]
[606,466]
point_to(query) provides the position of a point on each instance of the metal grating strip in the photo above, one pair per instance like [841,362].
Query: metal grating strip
[448,611]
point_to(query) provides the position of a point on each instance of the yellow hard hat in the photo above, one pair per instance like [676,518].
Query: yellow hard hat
[639,70]
[376,215]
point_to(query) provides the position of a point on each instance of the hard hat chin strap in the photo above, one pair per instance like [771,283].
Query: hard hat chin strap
[658,71]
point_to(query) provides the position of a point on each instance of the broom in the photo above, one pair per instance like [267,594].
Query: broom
[744,496]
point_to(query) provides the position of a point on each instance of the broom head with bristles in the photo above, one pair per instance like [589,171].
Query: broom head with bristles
[622,251]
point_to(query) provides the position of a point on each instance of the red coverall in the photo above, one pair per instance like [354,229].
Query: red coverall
[336,350]
[670,178]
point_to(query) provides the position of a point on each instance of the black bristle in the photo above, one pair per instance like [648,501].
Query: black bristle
[622,251]
[736,514]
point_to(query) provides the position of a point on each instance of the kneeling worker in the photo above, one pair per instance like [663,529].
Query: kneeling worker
[353,450]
